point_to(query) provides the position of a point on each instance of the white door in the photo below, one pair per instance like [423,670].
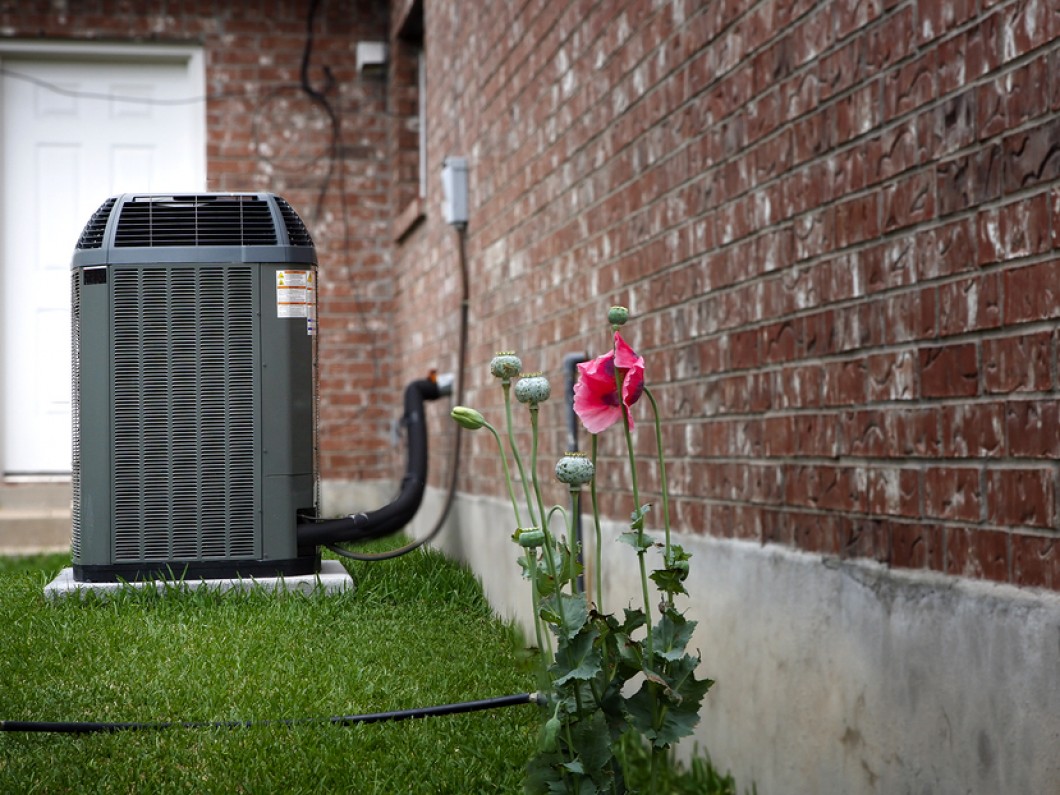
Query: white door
[73,131]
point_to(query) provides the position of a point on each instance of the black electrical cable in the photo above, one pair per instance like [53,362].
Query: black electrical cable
[454,460]
[93,727]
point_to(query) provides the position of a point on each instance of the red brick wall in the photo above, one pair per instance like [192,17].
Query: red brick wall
[837,224]
[265,133]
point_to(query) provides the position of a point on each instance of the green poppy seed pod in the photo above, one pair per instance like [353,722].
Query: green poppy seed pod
[531,537]
[532,389]
[467,418]
[574,469]
[505,365]
[550,735]
[617,316]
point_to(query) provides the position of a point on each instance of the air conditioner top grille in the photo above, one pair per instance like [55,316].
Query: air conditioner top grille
[92,234]
[138,228]
[235,220]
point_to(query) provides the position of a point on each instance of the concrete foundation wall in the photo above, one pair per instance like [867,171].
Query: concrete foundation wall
[837,677]
[342,497]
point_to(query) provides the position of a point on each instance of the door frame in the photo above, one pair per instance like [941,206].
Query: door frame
[190,55]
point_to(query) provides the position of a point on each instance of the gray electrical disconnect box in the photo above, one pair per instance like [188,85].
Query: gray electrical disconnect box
[193,388]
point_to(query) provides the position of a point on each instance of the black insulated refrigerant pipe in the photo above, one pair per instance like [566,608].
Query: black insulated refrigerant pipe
[394,515]
[93,727]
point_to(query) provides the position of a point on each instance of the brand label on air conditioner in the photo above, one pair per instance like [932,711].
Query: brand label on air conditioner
[296,296]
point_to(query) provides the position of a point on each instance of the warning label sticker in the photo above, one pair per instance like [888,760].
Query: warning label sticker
[296,296]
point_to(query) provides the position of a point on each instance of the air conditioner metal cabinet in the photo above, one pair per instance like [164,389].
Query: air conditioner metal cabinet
[193,388]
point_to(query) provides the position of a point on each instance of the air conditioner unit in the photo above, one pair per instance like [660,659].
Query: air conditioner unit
[193,388]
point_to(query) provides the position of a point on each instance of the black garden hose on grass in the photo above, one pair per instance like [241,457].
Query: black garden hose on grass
[93,727]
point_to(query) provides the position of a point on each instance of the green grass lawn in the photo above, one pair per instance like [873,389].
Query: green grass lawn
[416,632]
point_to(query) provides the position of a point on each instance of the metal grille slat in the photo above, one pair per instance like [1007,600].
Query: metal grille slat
[195,221]
[75,407]
[92,234]
[184,433]
[297,234]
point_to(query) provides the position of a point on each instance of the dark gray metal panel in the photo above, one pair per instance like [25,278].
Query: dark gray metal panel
[283,496]
[92,418]
[287,415]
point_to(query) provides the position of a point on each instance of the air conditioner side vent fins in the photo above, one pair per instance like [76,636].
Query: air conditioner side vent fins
[297,233]
[92,234]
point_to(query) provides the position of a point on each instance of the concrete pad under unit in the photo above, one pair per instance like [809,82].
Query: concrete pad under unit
[332,578]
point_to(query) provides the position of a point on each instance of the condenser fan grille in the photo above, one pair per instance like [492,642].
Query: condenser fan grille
[184,413]
[234,220]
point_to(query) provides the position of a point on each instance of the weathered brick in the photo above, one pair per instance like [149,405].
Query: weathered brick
[937,19]
[972,430]
[865,537]
[953,493]
[1031,157]
[981,554]
[893,491]
[816,532]
[911,86]
[891,40]
[1021,497]
[946,250]
[891,376]
[1031,428]
[949,371]
[910,315]
[916,546]
[971,304]
[1017,363]
[1035,561]
[1026,28]
[1032,293]
[1017,229]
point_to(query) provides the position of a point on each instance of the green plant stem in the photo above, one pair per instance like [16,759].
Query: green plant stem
[557,509]
[550,558]
[506,385]
[598,572]
[648,639]
[572,542]
[533,464]
[535,599]
[662,471]
[507,474]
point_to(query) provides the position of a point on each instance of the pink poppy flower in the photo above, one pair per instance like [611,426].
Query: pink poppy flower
[596,399]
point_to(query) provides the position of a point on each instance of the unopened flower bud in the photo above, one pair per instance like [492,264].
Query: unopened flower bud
[468,418]
[574,469]
[532,389]
[617,316]
[505,365]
